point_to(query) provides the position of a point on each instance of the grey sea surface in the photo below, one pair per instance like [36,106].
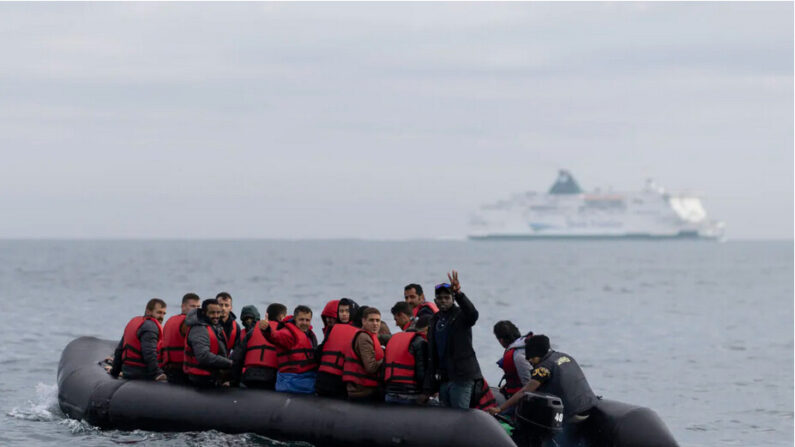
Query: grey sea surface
[701,332]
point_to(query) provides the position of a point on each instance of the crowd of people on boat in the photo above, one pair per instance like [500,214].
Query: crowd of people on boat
[430,358]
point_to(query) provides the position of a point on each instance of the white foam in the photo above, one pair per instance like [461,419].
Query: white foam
[44,408]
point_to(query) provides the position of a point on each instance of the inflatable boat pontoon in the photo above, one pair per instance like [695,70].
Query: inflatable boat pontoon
[86,391]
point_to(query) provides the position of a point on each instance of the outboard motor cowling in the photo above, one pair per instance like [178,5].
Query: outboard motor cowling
[539,417]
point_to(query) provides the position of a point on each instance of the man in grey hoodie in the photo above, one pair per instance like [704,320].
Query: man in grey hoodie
[207,361]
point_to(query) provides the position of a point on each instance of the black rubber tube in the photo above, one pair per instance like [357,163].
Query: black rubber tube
[86,391]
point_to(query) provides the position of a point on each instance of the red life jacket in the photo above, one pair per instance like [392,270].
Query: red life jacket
[259,351]
[232,338]
[406,326]
[173,342]
[331,309]
[191,365]
[353,371]
[332,358]
[427,304]
[398,361]
[512,381]
[486,399]
[300,358]
[131,345]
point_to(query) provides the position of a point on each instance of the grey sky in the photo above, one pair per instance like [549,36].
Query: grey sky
[390,120]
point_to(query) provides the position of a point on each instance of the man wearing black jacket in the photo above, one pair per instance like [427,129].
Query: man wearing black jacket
[452,367]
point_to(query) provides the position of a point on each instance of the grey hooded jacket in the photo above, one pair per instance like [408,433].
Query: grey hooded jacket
[199,341]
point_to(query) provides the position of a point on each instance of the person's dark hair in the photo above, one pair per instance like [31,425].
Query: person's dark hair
[206,303]
[302,309]
[274,310]
[356,318]
[190,297]
[423,322]
[417,288]
[223,295]
[506,330]
[401,307]
[369,311]
[154,302]
[353,307]
[536,346]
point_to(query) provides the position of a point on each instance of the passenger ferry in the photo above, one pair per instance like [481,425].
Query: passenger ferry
[567,212]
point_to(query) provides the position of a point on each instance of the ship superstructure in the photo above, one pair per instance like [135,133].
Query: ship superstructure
[567,212]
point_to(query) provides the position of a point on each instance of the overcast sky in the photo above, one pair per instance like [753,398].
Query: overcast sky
[390,120]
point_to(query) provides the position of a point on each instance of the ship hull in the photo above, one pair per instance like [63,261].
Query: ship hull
[600,237]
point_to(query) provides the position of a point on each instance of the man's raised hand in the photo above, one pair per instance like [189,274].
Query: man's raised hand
[454,283]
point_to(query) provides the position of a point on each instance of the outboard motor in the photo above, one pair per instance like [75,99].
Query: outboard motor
[539,417]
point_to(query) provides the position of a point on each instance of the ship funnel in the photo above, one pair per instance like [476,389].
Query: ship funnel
[565,184]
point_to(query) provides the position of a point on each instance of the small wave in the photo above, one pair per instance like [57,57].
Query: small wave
[44,408]
[78,427]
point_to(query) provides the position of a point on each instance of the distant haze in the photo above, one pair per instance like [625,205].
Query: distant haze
[383,120]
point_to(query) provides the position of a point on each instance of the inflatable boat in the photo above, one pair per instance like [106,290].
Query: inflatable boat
[87,392]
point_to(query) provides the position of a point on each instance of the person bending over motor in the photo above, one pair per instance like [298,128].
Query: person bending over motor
[559,374]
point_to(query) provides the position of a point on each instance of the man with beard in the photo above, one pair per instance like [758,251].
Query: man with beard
[137,355]
[206,357]
[415,298]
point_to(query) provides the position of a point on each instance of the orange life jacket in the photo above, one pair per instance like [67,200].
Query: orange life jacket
[131,345]
[332,358]
[191,365]
[353,371]
[427,304]
[398,361]
[300,358]
[173,341]
[259,351]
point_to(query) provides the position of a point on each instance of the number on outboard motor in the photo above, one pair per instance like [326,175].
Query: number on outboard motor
[539,417]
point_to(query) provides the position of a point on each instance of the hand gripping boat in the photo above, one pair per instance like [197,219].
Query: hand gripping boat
[86,391]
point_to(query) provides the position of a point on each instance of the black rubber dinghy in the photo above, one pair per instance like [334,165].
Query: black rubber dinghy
[86,391]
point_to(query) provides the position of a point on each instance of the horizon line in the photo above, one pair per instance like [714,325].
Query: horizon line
[306,239]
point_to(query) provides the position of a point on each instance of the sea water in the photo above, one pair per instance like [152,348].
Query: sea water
[701,332]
